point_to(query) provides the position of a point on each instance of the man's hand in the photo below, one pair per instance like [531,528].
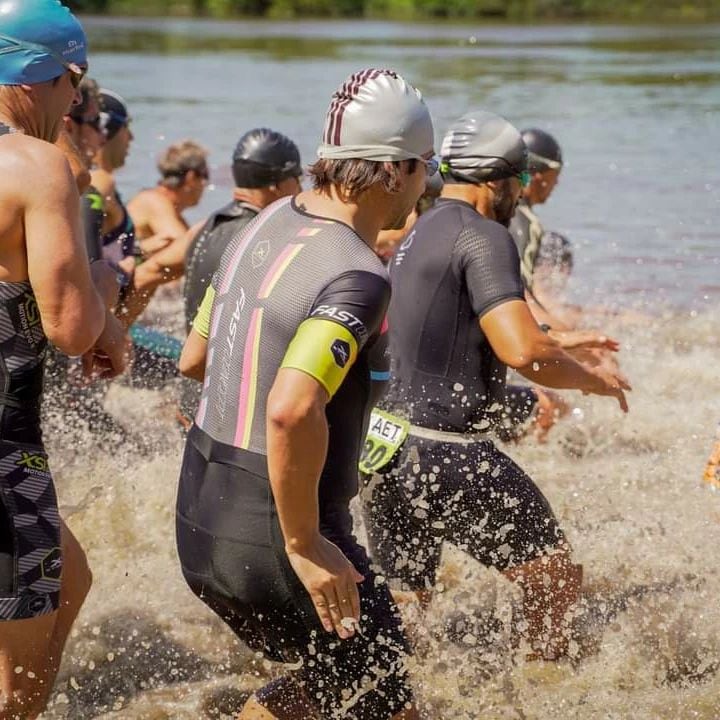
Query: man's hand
[154,244]
[610,384]
[589,339]
[111,353]
[331,581]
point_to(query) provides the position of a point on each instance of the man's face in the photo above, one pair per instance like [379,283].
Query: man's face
[117,148]
[86,134]
[413,187]
[542,185]
[57,97]
[506,195]
[195,184]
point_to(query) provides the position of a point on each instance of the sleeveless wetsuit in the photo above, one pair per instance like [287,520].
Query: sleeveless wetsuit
[527,231]
[92,210]
[448,482]
[30,556]
[297,291]
[119,243]
[201,262]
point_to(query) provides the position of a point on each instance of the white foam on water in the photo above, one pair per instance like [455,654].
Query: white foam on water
[626,489]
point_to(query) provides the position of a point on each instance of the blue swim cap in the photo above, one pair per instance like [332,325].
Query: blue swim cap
[38,40]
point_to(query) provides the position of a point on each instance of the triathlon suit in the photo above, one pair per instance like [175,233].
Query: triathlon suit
[447,481]
[92,210]
[30,555]
[119,243]
[299,291]
[201,262]
[527,231]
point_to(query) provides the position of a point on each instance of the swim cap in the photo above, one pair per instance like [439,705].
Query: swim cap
[264,157]
[376,115]
[39,39]
[543,150]
[481,147]
[113,113]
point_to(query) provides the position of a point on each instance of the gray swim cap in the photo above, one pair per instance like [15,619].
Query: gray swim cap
[481,147]
[376,115]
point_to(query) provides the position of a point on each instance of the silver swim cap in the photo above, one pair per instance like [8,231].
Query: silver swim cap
[376,115]
[481,147]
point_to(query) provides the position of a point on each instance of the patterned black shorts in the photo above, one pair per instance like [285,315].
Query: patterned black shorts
[30,554]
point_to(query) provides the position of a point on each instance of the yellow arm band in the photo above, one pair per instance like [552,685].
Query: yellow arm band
[324,350]
[201,323]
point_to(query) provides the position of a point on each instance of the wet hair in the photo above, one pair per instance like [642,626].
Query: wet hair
[357,176]
[179,159]
[89,91]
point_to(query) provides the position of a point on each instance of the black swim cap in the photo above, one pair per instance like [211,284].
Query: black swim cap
[543,150]
[481,147]
[113,113]
[264,157]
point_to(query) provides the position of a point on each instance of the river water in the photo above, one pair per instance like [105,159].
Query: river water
[636,110]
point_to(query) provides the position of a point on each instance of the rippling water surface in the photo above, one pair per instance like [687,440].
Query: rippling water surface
[636,111]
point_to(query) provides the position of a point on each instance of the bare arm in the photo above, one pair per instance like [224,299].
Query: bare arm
[297,435]
[297,439]
[71,309]
[518,342]
[148,210]
[194,353]
[162,267]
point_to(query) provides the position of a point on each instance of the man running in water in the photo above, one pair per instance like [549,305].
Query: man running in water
[157,212]
[44,296]
[457,318]
[544,165]
[297,326]
[266,167]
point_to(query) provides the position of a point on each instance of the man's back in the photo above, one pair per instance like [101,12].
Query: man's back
[454,267]
[206,250]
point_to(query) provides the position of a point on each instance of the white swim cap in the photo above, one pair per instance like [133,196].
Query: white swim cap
[377,115]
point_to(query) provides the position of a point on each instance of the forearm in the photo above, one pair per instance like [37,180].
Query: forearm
[549,365]
[148,276]
[106,283]
[296,456]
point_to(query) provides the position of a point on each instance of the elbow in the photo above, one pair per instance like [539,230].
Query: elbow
[284,416]
[74,333]
[191,369]
[523,353]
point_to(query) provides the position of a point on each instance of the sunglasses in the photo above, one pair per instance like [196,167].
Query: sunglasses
[432,165]
[77,73]
[524,178]
[95,123]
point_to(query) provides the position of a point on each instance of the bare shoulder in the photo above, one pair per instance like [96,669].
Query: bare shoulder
[150,199]
[28,164]
[103,181]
